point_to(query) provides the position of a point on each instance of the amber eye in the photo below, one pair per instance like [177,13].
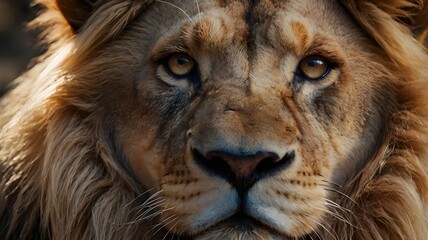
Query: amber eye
[180,64]
[314,67]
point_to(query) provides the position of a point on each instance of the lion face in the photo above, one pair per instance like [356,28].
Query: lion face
[242,117]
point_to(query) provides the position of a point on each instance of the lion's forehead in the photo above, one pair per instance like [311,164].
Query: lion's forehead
[246,35]
[282,24]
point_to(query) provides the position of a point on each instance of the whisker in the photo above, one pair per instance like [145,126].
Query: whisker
[152,202]
[181,233]
[139,195]
[313,230]
[154,195]
[336,215]
[177,7]
[142,217]
[173,226]
[151,216]
[163,223]
[332,183]
[346,213]
[324,227]
[148,210]
[197,5]
[336,205]
[150,205]
[340,193]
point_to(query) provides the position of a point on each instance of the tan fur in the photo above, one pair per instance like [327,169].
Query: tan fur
[95,145]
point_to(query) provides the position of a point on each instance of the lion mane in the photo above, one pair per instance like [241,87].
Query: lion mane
[61,174]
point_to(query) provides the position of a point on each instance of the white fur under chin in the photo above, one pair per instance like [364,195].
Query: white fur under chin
[237,234]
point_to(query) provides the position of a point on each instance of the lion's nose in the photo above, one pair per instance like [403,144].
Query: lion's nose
[243,170]
[245,166]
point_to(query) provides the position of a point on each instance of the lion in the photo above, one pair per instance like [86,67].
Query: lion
[220,119]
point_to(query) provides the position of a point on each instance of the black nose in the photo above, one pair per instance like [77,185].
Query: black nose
[242,170]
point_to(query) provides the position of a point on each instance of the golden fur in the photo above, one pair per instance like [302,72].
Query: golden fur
[97,143]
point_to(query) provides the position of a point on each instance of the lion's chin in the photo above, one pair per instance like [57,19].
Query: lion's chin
[239,226]
[239,232]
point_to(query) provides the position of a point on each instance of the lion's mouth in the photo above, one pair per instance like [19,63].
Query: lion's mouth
[242,222]
[239,223]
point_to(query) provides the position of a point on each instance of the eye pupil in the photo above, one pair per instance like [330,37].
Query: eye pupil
[182,61]
[315,63]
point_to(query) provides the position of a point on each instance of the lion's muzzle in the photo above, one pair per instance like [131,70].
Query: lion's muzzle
[242,169]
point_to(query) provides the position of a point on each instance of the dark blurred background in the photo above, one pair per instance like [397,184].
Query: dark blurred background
[17,44]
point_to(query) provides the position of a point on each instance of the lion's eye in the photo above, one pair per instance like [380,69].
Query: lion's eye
[314,67]
[180,64]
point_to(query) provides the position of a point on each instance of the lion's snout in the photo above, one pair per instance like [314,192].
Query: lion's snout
[242,169]
[243,142]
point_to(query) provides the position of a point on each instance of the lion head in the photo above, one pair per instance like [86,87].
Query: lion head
[225,119]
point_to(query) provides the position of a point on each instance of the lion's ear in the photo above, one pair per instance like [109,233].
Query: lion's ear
[76,12]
